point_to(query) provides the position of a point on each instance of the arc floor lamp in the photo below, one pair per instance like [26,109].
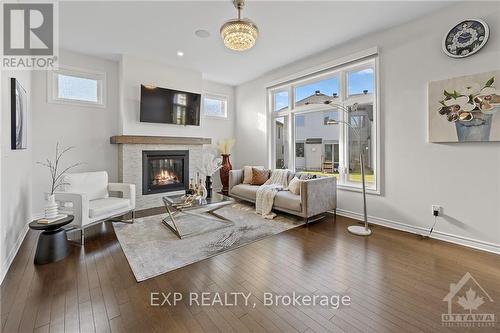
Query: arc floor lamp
[354,229]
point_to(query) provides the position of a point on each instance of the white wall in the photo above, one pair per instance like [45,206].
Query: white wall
[86,128]
[463,178]
[15,175]
[2,227]
[134,72]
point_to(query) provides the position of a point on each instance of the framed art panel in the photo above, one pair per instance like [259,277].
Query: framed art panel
[19,116]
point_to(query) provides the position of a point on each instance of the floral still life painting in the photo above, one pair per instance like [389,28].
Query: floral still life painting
[463,109]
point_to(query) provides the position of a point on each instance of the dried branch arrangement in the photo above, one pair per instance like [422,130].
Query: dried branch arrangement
[56,176]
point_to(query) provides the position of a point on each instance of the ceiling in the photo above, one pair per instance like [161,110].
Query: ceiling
[289,31]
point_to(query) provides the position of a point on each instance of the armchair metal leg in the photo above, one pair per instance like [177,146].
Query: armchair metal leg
[312,219]
[131,221]
[82,239]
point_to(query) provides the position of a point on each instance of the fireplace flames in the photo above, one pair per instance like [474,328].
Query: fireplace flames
[165,177]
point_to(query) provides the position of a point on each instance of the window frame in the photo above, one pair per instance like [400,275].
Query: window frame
[218,97]
[285,137]
[53,86]
[344,99]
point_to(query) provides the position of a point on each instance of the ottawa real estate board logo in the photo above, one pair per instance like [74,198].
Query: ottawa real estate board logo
[468,305]
[29,36]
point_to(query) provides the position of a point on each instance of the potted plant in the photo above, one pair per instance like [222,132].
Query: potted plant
[56,178]
[225,147]
[471,109]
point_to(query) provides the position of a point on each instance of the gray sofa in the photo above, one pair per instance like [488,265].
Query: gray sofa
[317,195]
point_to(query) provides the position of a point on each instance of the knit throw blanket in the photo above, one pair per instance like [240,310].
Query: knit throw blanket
[266,193]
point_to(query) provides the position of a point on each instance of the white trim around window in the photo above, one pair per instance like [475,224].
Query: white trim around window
[216,97]
[288,114]
[53,95]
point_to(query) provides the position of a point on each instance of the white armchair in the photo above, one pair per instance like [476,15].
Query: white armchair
[86,196]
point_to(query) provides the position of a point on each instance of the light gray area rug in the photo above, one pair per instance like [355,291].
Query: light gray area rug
[152,249]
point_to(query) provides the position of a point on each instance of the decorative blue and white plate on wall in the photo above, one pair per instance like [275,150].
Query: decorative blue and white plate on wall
[466,38]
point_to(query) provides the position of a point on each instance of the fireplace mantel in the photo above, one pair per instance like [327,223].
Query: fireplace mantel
[166,140]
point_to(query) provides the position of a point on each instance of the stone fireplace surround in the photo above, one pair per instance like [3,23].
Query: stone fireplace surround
[130,160]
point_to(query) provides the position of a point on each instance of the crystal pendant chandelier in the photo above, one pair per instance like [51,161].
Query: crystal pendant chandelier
[239,34]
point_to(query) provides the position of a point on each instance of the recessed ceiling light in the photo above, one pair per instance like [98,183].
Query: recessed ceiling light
[202,33]
[180,53]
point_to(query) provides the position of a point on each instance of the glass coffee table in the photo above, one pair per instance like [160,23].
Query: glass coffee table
[204,208]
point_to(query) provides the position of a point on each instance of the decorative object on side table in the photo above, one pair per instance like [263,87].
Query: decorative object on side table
[56,177]
[210,165]
[208,186]
[52,243]
[196,188]
[466,38]
[462,109]
[224,147]
[19,115]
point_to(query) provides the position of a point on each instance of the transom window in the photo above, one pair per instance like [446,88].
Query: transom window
[331,122]
[360,81]
[280,100]
[310,92]
[76,86]
[215,106]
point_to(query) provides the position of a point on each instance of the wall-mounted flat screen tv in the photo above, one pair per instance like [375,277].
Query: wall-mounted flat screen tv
[160,105]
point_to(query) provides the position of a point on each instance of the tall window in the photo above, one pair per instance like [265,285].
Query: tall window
[334,122]
[76,86]
[280,126]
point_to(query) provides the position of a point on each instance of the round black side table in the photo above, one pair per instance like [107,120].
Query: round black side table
[52,243]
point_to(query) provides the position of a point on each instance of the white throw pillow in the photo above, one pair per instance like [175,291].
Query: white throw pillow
[247,173]
[294,186]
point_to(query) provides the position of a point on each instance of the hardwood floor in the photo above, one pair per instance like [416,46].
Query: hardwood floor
[396,282]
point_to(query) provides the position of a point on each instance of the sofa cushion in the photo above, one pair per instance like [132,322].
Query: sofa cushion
[294,186]
[107,206]
[246,191]
[260,176]
[93,184]
[248,174]
[287,200]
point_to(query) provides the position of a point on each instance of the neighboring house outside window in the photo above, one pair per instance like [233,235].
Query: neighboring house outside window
[304,110]
[299,149]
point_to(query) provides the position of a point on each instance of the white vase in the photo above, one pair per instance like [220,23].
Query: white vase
[51,209]
[203,192]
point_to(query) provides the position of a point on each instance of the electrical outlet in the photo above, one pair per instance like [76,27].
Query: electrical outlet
[436,208]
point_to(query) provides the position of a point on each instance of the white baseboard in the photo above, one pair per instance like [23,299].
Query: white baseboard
[13,252]
[460,240]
